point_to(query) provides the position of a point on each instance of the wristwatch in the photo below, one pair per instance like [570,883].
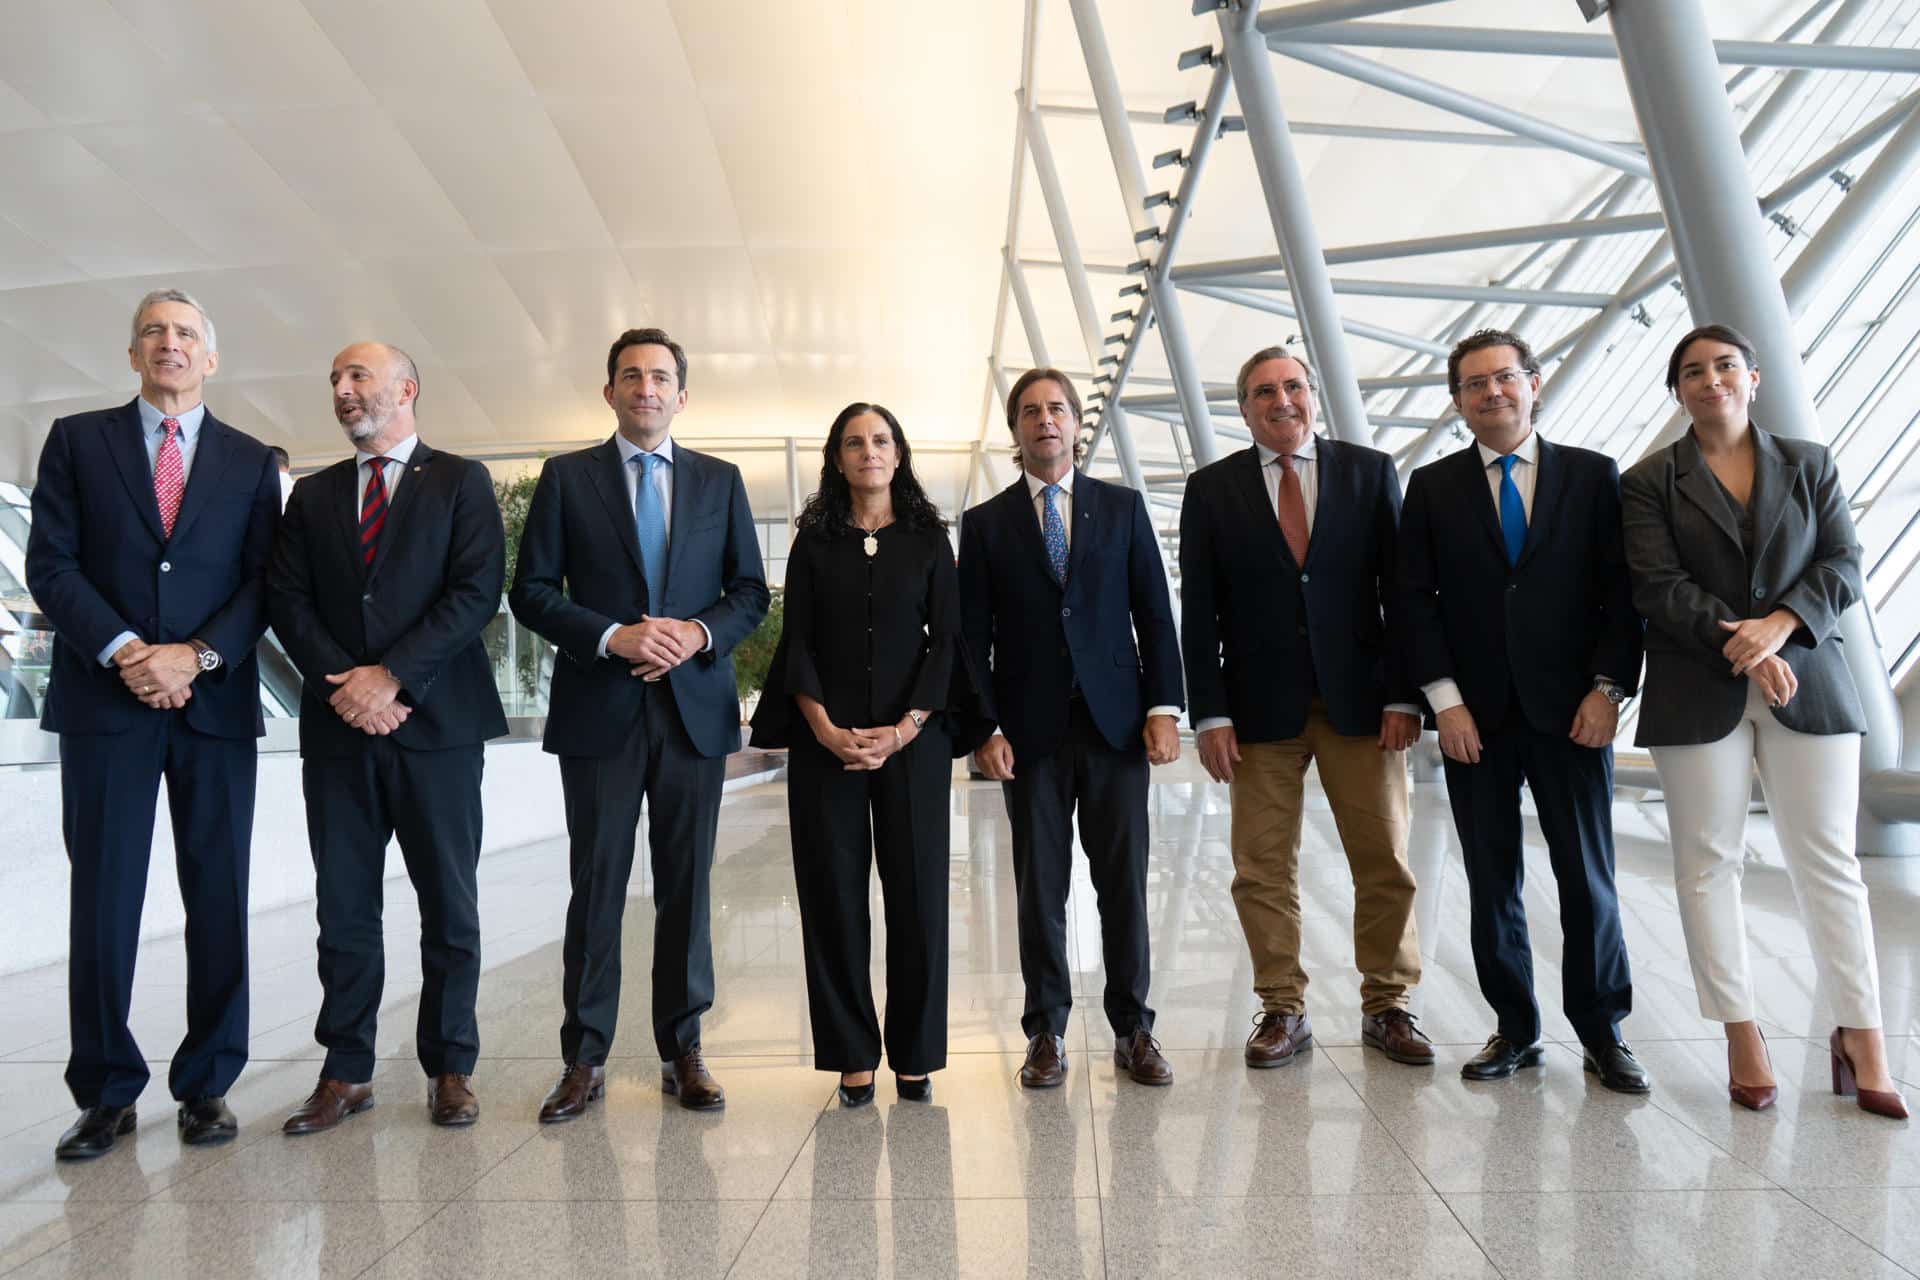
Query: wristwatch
[1613,692]
[209,660]
[919,720]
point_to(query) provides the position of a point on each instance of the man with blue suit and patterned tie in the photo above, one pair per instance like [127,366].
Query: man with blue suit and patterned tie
[1064,598]
[1517,619]
[152,524]
[640,562]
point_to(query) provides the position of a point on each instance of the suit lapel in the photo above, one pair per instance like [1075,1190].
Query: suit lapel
[1334,496]
[402,501]
[210,461]
[1549,481]
[1027,527]
[129,454]
[610,478]
[1472,476]
[1085,501]
[343,499]
[688,488]
[1250,481]
[1696,483]
[1773,480]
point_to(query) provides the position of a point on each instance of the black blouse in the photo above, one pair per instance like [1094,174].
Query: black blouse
[868,637]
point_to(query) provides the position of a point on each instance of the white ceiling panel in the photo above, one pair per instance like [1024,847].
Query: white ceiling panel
[63,196]
[30,372]
[423,52]
[650,168]
[465,307]
[78,61]
[578,299]
[26,262]
[245,54]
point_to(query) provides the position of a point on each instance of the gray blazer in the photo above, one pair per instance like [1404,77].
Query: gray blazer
[1690,573]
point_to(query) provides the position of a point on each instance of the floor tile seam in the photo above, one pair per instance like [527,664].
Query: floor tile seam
[417,1228]
[1658,1102]
[767,1207]
[1823,1215]
[122,1209]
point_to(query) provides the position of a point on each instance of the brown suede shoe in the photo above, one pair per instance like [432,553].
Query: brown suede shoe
[686,1078]
[330,1102]
[1277,1037]
[1139,1056]
[579,1085]
[1046,1064]
[450,1100]
[1394,1033]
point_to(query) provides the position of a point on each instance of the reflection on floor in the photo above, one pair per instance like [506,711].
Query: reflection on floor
[1344,1164]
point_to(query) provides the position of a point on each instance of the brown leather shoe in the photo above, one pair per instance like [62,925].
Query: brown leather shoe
[330,1102]
[1046,1064]
[579,1085]
[1139,1056]
[686,1078]
[450,1100]
[1394,1033]
[1277,1037]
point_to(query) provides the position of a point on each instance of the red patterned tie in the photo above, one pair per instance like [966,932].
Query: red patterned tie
[373,509]
[169,478]
[1292,506]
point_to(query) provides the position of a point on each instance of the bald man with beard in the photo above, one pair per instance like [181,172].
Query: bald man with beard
[387,568]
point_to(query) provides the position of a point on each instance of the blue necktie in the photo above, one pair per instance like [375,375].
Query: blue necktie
[650,523]
[1513,512]
[1053,531]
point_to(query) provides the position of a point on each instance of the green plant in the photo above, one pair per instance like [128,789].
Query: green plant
[515,496]
[752,656]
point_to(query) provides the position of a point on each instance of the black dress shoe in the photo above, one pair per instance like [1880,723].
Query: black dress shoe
[93,1133]
[1617,1068]
[1501,1058]
[920,1090]
[206,1121]
[856,1095]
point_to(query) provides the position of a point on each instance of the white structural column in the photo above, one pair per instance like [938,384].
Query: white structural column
[1699,168]
[1285,188]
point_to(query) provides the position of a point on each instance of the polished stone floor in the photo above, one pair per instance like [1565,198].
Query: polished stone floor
[1343,1164]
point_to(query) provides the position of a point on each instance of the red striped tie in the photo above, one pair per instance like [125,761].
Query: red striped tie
[373,509]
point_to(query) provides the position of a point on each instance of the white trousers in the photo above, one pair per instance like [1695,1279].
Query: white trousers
[1812,785]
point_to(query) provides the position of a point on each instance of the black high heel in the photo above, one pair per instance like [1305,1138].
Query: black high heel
[856,1095]
[920,1090]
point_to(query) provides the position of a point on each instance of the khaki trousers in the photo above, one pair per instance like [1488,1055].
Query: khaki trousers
[1367,788]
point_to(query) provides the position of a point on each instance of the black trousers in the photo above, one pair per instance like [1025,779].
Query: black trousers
[1573,791]
[355,805]
[109,791]
[603,794]
[843,824]
[1109,788]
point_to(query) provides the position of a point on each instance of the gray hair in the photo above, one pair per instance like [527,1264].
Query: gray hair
[407,368]
[1259,358]
[173,295]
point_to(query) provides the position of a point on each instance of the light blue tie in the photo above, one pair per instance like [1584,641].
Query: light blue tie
[650,524]
[1513,512]
[1053,531]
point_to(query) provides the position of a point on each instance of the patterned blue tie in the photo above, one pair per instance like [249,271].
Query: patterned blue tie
[1513,512]
[1053,531]
[650,523]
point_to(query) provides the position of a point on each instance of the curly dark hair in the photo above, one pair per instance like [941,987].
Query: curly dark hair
[829,510]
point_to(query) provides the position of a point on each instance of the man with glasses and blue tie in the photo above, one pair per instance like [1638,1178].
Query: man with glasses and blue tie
[1517,621]
[640,562]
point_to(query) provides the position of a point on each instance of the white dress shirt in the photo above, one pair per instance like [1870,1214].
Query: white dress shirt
[390,474]
[152,435]
[663,488]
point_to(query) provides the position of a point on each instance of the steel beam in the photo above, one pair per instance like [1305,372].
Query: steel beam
[1133,192]
[1822,168]
[1443,137]
[1284,186]
[1668,58]
[1029,317]
[1358,328]
[1419,89]
[1868,198]
[1320,12]
[1064,237]
[1497,294]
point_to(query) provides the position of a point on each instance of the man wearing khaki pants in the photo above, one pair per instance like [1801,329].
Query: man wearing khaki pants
[1286,559]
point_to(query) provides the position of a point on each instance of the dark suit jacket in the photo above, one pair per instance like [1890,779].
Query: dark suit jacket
[98,564]
[1259,629]
[1543,628]
[579,573]
[1036,638]
[1691,572]
[434,586]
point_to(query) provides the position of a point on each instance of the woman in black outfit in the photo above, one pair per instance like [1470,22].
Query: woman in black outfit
[856,691]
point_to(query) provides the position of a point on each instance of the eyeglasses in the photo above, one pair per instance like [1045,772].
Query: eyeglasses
[1507,380]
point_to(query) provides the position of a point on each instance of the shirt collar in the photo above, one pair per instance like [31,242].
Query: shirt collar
[1305,453]
[629,450]
[399,453]
[151,418]
[1035,484]
[1528,452]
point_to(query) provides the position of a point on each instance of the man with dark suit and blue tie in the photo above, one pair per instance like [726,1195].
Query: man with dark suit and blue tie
[640,563]
[1064,598]
[1286,571]
[388,567]
[1517,619]
[152,524]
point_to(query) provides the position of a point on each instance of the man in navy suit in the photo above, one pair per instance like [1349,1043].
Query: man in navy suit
[1059,575]
[388,566]
[1286,570]
[151,528]
[1518,624]
[640,563]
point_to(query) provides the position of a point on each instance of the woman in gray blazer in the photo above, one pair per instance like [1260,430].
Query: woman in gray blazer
[1743,558]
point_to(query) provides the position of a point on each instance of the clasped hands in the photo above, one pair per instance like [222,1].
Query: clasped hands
[1753,648]
[367,698]
[655,646]
[159,675]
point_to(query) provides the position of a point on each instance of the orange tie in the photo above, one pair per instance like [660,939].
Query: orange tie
[1293,510]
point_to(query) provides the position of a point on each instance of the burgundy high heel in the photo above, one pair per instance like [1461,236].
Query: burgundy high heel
[1879,1102]
[1754,1097]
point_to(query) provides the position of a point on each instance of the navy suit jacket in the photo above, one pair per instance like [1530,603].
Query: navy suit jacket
[1255,625]
[98,564]
[579,572]
[434,585]
[1111,626]
[1543,628]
